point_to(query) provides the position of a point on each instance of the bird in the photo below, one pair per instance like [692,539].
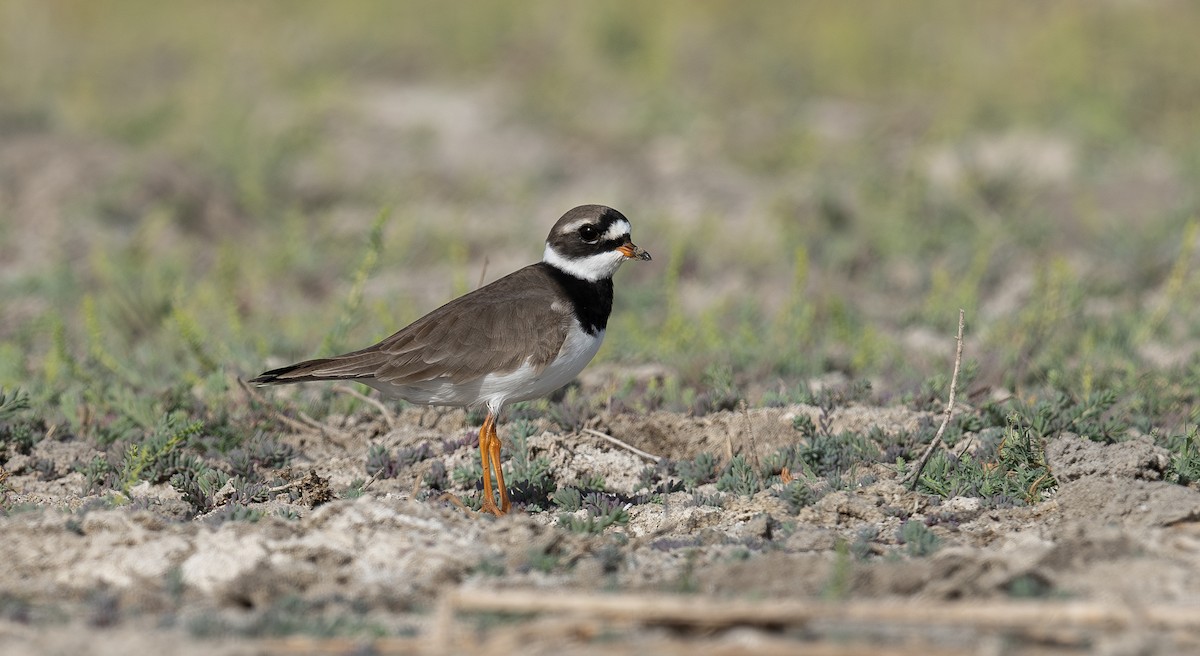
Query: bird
[518,338]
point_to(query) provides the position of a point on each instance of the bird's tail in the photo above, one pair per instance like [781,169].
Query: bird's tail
[309,370]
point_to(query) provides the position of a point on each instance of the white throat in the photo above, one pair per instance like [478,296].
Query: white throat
[591,268]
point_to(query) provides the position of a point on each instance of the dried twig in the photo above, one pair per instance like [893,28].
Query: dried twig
[937,438]
[296,425]
[696,611]
[367,485]
[628,447]
[250,392]
[750,433]
[256,397]
[383,410]
[325,429]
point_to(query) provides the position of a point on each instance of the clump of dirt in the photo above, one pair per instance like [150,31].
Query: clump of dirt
[756,432]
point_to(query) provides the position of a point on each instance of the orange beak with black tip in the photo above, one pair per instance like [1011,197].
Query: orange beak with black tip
[633,252]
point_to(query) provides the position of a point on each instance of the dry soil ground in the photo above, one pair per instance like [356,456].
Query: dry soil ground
[1108,564]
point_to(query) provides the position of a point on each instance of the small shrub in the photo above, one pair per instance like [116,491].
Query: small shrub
[740,478]
[698,471]
[594,482]
[918,540]
[436,478]
[1089,416]
[804,425]
[1185,457]
[567,499]
[235,512]
[530,481]
[1015,471]
[380,462]
[199,489]
[716,499]
[861,547]
[601,511]
[797,494]
[355,490]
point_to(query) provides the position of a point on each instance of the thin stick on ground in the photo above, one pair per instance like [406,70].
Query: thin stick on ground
[250,392]
[255,396]
[304,425]
[1022,617]
[915,476]
[628,447]
[323,428]
[387,414]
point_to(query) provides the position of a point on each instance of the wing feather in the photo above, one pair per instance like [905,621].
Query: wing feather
[495,329]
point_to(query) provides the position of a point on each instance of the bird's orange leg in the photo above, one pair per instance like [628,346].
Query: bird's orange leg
[487,433]
[505,505]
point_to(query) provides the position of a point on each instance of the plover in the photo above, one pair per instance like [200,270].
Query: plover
[518,338]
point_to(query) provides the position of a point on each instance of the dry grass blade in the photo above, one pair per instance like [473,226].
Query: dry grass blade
[937,438]
[324,429]
[628,447]
[256,397]
[383,410]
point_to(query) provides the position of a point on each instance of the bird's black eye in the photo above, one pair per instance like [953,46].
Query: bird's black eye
[589,233]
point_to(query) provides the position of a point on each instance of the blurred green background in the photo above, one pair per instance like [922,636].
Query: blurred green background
[191,192]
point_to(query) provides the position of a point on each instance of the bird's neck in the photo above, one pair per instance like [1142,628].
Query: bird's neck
[591,300]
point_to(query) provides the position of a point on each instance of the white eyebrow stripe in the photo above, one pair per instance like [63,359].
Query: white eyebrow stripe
[573,226]
[619,228]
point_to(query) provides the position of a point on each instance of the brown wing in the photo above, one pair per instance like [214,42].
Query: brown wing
[494,329]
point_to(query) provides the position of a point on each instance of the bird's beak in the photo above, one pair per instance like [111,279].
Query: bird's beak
[633,252]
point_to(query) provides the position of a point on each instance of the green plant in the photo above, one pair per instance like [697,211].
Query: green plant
[467,475]
[1087,415]
[1015,472]
[804,425]
[171,434]
[544,560]
[15,431]
[601,510]
[1185,456]
[12,403]
[740,478]
[797,494]
[199,489]
[918,540]
[235,512]
[697,471]
[435,477]
[716,499]
[567,499]
[529,480]
[861,548]
[380,462]
[355,490]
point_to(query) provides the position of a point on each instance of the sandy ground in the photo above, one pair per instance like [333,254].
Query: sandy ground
[1114,542]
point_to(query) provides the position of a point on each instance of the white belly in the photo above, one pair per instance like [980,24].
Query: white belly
[496,390]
